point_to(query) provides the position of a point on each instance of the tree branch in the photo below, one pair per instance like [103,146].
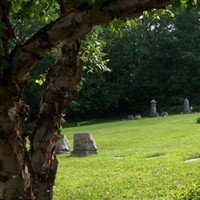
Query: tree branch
[70,27]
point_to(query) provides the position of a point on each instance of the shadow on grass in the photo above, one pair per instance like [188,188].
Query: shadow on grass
[96,121]
[155,155]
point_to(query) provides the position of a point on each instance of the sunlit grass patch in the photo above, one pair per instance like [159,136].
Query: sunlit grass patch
[123,168]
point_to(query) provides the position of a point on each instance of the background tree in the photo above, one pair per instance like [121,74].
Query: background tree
[148,58]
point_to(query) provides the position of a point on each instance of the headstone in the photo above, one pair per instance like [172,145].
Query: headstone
[186,106]
[130,117]
[164,114]
[84,145]
[63,146]
[153,109]
[137,117]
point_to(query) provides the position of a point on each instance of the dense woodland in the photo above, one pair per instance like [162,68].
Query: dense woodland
[130,62]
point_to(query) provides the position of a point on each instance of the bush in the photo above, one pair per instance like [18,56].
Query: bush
[198,120]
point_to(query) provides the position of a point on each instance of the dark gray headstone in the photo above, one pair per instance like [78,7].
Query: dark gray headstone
[63,146]
[153,109]
[84,145]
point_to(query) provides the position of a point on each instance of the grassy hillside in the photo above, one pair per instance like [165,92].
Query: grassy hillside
[138,160]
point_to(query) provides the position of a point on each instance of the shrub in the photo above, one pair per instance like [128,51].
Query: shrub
[198,120]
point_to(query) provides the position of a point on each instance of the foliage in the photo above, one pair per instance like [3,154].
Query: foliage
[38,9]
[30,16]
[92,55]
[33,91]
[130,62]
[198,120]
[156,56]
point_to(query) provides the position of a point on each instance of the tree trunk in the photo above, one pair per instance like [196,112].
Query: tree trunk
[15,182]
[60,90]
[31,175]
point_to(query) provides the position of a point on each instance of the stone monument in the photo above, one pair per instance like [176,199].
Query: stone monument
[84,145]
[153,109]
[186,106]
[130,117]
[135,117]
[164,114]
[63,145]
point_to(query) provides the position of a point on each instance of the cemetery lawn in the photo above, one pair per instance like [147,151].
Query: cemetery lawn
[137,160]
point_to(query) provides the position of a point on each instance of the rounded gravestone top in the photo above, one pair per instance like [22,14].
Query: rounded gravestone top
[153,101]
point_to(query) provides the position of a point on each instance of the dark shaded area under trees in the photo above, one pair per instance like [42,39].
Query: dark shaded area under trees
[156,56]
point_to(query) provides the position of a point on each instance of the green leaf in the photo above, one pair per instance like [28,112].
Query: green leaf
[41,80]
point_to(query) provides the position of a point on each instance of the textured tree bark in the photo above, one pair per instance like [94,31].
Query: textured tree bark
[15,181]
[60,90]
[31,176]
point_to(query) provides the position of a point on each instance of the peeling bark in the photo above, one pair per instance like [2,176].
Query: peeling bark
[15,180]
[60,90]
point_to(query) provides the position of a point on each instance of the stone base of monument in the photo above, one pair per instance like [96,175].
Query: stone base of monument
[154,115]
[84,145]
[80,153]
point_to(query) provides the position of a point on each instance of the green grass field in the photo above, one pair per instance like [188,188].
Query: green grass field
[139,160]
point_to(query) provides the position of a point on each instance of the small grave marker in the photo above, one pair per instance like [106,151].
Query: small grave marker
[84,145]
[63,146]
[186,106]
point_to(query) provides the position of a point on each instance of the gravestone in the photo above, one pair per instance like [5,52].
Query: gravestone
[153,109]
[186,106]
[138,117]
[130,117]
[63,145]
[84,145]
[164,114]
